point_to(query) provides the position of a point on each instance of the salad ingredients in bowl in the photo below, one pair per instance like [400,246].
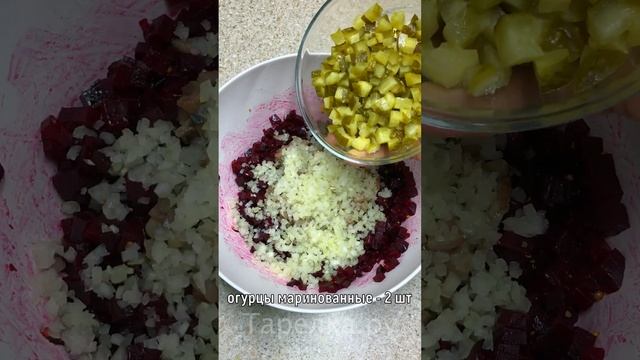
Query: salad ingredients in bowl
[362,101]
[295,219]
[314,219]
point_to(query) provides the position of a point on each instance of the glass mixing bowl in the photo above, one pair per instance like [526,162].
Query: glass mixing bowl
[520,107]
[314,48]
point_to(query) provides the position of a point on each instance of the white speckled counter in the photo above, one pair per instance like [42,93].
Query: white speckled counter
[252,31]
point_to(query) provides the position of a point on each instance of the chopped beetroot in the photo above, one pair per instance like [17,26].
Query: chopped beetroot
[157,61]
[147,86]
[1,172]
[78,116]
[298,283]
[610,271]
[593,354]
[97,93]
[158,32]
[581,342]
[56,139]
[68,184]
[571,266]
[118,114]
[478,353]
[139,352]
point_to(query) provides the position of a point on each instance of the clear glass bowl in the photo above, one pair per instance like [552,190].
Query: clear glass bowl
[314,48]
[519,107]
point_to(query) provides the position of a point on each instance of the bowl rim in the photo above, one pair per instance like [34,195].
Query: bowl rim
[412,152]
[293,308]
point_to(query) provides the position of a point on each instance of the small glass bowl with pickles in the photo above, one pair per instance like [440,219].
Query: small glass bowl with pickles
[515,65]
[358,80]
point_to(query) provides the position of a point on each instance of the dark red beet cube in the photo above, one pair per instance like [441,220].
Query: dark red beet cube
[513,247]
[610,272]
[601,180]
[56,139]
[68,184]
[155,60]
[71,118]
[511,328]
[507,352]
[97,93]
[191,64]
[159,31]
[73,228]
[609,218]
[477,353]
[139,352]
[390,264]
[119,114]
[581,343]
[593,354]
[132,231]
[121,73]
[298,283]
[590,146]
[577,129]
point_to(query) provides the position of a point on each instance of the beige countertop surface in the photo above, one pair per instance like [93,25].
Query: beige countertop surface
[252,31]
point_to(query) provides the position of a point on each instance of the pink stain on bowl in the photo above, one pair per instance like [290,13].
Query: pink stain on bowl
[235,144]
[47,70]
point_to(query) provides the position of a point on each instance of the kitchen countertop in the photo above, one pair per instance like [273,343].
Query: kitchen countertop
[251,32]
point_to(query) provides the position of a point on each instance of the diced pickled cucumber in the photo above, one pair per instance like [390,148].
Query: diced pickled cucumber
[383,135]
[609,21]
[360,143]
[518,38]
[463,24]
[362,88]
[430,18]
[487,79]
[596,65]
[397,19]
[569,36]
[447,65]
[550,6]
[373,13]
[341,136]
[553,70]
[559,37]
[394,143]
[577,11]
[633,35]
[371,80]
[519,4]
[484,4]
